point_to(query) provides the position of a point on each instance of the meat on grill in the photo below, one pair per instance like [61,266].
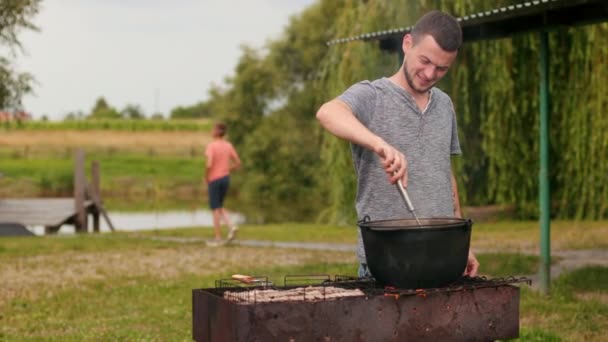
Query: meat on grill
[297,294]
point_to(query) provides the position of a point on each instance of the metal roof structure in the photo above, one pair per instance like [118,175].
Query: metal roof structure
[505,21]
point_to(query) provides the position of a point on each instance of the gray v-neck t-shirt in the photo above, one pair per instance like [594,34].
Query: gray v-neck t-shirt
[427,139]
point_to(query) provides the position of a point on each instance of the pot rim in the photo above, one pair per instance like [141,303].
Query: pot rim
[433,223]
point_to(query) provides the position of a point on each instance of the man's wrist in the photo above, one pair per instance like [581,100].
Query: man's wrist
[377,144]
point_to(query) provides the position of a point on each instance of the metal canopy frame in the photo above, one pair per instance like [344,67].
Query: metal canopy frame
[504,21]
[539,16]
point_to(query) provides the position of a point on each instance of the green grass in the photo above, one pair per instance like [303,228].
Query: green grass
[292,232]
[139,177]
[565,315]
[114,166]
[124,309]
[593,278]
[507,264]
[150,307]
[537,335]
[13,247]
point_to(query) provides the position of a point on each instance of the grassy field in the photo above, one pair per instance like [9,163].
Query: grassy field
[145,168]
[133,287]
[33,144]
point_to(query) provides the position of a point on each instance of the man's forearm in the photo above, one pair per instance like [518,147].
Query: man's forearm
[336,117]
[457,210]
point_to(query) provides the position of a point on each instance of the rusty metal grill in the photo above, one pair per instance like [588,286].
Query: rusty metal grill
[470,309]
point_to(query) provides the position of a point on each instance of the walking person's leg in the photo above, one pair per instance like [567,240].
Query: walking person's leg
[217,224]
[215,206]
[225,215]
[224,186]
[233,228]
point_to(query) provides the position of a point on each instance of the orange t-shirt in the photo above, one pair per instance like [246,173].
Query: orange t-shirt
[219,153]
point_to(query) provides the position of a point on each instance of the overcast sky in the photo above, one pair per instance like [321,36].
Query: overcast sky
[158,54]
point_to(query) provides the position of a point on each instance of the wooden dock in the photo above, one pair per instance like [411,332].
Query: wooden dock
[52,213]
[48,212]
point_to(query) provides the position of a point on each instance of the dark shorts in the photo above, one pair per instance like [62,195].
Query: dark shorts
[217,191]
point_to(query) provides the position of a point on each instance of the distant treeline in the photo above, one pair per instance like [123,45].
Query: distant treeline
[112,124]
[102,110]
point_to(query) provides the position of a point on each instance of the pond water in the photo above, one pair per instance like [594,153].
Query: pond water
[135,221]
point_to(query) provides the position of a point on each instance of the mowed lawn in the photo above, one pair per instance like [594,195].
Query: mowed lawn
[134,287]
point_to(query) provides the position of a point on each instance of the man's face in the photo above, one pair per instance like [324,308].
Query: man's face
[425,63]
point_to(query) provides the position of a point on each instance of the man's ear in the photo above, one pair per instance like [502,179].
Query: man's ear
[407,43]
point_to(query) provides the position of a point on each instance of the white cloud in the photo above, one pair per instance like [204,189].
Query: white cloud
[130,51]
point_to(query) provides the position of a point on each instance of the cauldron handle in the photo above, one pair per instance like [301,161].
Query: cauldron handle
[365,219]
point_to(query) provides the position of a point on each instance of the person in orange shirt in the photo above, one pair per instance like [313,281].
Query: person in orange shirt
[222,158]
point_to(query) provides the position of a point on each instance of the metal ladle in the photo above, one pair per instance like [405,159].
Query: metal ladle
[408,202]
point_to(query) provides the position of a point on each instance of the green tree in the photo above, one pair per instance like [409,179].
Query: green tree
[269,107]
[197,111]
[281,169]
[247,95]
[14,17]
[132,111]
[100,104]
[101,110]
[74,116]
[157,116]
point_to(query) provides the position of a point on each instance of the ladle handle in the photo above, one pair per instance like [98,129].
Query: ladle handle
[405,196]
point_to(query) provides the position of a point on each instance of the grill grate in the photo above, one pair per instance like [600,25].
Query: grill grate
[306,279]
[257,281]
[317,287]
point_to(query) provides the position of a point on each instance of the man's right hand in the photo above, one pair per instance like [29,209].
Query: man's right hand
[393,162]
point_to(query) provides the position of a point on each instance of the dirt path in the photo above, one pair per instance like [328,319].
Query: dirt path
[572,260]
[568,259]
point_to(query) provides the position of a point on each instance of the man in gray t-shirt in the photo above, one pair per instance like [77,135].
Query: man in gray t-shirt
[403,128]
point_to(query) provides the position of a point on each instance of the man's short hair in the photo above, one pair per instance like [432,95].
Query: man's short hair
[220,128]
[442,27]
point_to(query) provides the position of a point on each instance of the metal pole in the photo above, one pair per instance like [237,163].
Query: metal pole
[544,193]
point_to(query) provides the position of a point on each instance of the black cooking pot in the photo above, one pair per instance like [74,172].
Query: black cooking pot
[404,254]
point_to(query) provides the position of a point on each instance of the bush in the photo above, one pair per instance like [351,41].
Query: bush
[280,159]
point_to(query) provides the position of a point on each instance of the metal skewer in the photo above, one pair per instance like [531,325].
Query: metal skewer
[406,199]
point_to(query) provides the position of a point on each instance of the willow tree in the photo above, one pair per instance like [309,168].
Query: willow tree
[269,105]
[494,86]
[15,16]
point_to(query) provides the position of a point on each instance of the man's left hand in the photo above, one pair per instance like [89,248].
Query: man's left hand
[472,266]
